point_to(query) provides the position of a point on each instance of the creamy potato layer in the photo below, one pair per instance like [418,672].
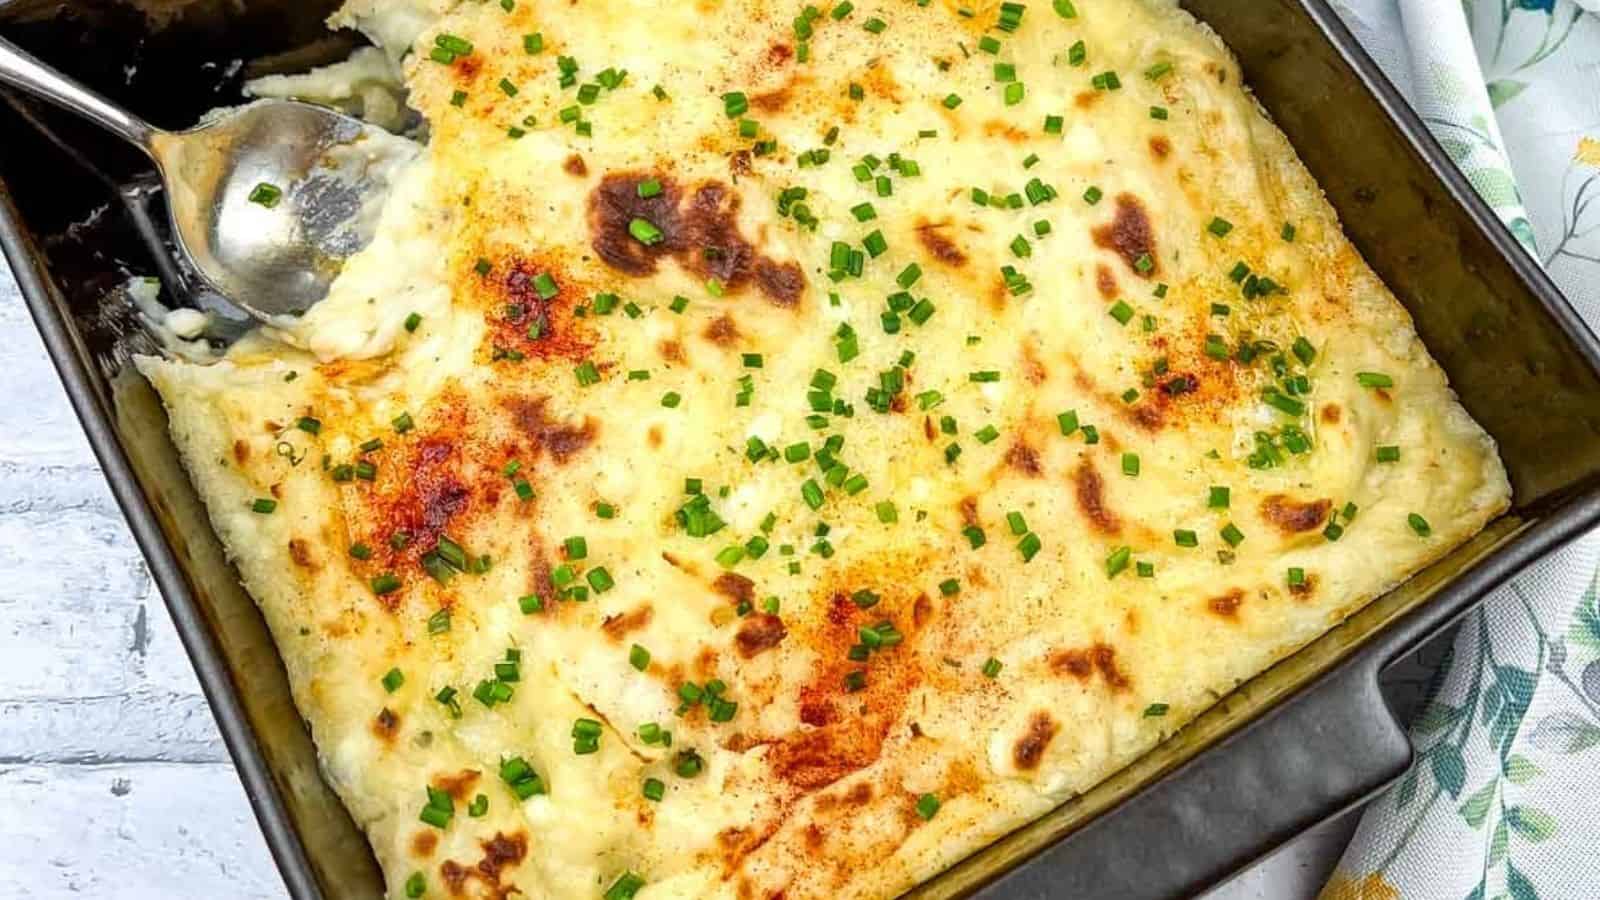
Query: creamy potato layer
[774,450]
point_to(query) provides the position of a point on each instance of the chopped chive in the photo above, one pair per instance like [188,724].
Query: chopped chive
[1388,453]
[1219,226]
[1029,546]
[1130,464]
[1303,351]
[1374,380]
[1232,534]
[927,807]
[1118,561]
[267,195]
[645,232]
[1419,525]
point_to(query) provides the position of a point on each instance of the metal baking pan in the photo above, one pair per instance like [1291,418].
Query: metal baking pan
[1301,742]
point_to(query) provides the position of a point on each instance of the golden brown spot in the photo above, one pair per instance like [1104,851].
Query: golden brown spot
[921,610]
[241,451]
[1227,605]
[1105,281]
[939,245]
[560,440]
[457,785]
[969,511]
[735,587]
[999,292]
[928,431]
[771,101]
[671,351]
[500,852]
[1082,663]
[758,633]
[723,331]
[1036,737]
[619,626]
[454,875]
[1090,488]
[699,229]
[879,81]
[1147,416]
[705,662]
[653,436]
[1160,147]
[386,725]
[300,552]
[1331,414]
[1293,517]
[423,843]
[1008,131]
[1024,459]
[575,166]
[1129,235]
[858,794]
[1305,588]
[1033,367]
[1086,99]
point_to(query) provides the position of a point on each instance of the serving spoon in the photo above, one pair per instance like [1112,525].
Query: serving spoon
[267,200]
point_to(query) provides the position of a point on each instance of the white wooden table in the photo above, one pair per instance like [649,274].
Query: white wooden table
[113,780]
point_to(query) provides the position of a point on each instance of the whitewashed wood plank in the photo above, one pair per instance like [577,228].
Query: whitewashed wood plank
[40,427]
[138,726]
[68,603]
[132,832]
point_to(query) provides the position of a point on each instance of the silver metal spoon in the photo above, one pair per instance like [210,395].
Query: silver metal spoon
[267,200]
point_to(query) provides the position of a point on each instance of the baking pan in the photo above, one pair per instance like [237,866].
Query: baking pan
[1301,742]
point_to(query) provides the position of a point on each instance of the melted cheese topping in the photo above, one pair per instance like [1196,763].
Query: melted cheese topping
[1055,407]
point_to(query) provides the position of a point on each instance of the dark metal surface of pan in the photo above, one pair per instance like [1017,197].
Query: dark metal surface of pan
[1298,744]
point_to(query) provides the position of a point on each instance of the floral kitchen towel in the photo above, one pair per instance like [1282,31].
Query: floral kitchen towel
[1503,800]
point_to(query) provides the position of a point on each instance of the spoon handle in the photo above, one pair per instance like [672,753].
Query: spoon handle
[20,69]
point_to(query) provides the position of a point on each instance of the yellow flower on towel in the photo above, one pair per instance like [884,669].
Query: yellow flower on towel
[1589,152]
[1371,887]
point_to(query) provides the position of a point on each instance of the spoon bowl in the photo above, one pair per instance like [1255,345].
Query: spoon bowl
[267,200]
